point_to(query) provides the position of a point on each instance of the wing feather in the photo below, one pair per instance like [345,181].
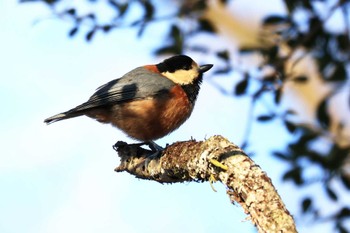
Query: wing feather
[137,84]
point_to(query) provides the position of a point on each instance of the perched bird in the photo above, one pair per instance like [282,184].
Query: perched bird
[148,102]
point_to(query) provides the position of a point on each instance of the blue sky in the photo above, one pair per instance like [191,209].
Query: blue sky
[60,178]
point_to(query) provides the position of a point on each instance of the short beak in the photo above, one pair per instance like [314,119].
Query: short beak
[205,68]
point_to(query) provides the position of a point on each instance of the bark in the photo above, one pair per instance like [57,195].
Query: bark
[215,159]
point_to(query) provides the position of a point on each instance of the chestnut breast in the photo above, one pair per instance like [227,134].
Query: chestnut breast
[153,117]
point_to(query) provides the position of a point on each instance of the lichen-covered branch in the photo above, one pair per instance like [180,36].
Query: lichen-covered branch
[213,159]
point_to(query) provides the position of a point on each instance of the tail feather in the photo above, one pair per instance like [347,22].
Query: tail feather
[61,116]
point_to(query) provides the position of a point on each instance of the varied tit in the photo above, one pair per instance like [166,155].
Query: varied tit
[148,102]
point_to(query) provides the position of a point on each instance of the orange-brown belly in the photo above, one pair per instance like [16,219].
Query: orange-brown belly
[150,119]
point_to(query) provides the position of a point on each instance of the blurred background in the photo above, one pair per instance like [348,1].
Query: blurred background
[279,89]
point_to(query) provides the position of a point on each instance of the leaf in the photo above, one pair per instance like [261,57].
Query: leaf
[300,79]
[149,10]
[345,180]
[166,50]
[338,74]
[281,156]
[343,42]
[244,145]
[294,174]
[91,16]
[265,118]
[71,11]
[90,34]
[199,5]
[123,9]
[225,55]
[106,28]
[270,79]
[246,50]
[344,213]
[331,194]
[337,156]
[307,5]
[141,29]
[120,7]
[323,61]
[306,204]
[341,228]
[176,36]
[290,126]
[290,112]
[272,54]
[114,4]
[322,114]
[223,70]
[291,5]
[73,31]
[51,1]
[241,87]
[275,19]
[46,1]
[198,48]
[175,32]
[206,25]
[278,95]
[297,149]
[259,92]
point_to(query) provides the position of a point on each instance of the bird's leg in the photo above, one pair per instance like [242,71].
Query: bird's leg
[156,149]
[154,146]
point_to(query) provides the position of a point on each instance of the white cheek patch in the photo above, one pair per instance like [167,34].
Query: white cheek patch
[183,77]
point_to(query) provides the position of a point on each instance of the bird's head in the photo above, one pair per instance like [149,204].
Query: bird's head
[182,70]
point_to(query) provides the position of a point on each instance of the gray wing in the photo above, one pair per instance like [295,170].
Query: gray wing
[137,84]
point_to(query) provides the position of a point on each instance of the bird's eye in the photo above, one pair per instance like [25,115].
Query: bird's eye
[187,67]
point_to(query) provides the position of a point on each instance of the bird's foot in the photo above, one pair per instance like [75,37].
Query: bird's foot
[156,149]
[154,146]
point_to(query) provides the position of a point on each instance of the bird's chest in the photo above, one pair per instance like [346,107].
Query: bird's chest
[152,118]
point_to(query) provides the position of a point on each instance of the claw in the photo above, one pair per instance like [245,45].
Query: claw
[151,144]
[154,146]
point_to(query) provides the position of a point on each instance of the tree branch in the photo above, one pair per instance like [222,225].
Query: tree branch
[213,159]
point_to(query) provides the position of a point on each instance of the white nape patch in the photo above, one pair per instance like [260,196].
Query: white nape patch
[183,77]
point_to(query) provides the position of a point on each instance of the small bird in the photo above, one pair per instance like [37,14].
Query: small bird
[148,102]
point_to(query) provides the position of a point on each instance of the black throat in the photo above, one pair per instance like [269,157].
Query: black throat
[192,89]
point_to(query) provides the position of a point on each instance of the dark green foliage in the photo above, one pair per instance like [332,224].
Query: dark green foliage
[306,204]
[291,127]
[331,194]
[206,26]
[264,118]
[281,155]
[322,114]
[295,175]
[275,19]
[90,34]
[241,86]
[73,31]
[225,55]
[175,45]
[300,79]
[277,96]
[345,180]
